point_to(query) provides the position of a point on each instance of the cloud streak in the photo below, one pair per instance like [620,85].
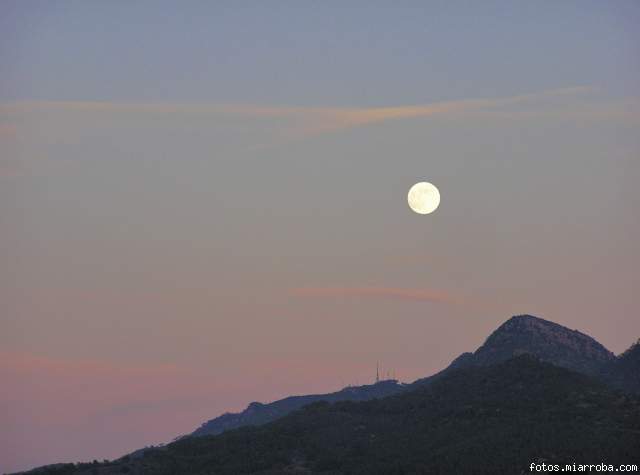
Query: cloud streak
[420,295]
[251,127]
[51,406]
[303,121]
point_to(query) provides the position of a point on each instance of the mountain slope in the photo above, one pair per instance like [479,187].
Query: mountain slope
[521,334]
[546,340]
[624,372]
[257,413]
[495,419]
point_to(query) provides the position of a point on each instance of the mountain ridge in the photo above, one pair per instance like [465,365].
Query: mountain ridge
[258,413]
[493,419]
[521,336]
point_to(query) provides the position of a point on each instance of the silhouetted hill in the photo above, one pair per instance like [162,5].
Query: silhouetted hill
[518,337]
[548,341]
[478,420]
[521,334]
[624,372]
[258,414]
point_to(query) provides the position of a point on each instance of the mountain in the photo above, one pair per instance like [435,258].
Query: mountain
[476,420]
[546,340]
[257,413]
[624,372]
[522,336]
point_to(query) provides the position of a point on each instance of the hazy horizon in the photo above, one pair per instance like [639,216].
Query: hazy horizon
[205,205]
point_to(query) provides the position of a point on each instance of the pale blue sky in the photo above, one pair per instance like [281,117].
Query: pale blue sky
[329,53]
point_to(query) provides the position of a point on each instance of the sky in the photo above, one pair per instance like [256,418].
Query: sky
[204,204]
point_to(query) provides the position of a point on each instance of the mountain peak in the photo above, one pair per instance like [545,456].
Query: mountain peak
[526,320]
[546,340]
[525,317]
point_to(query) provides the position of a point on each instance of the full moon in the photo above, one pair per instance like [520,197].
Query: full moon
[423,198]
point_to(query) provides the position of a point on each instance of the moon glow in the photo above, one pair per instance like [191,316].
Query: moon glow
[423,198]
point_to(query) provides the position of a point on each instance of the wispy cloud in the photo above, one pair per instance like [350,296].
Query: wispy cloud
[303,121]
[9,169]
[51,406]
[266,126]
[423,295]
[333,119]
[7,130]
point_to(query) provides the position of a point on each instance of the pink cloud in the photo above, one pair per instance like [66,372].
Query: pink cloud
[7,130]
[10,168]
[56,409]
[303,121]
[63,409]
[426,295]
